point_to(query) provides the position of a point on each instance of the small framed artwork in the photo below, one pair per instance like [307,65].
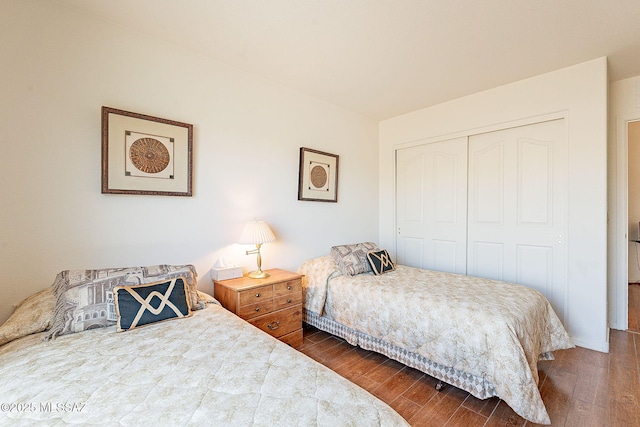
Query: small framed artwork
[318,177]
[145,155]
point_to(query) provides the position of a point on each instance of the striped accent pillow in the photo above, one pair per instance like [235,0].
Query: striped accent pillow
[352,259]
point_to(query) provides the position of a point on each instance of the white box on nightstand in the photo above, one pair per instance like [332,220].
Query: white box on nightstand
[226,273]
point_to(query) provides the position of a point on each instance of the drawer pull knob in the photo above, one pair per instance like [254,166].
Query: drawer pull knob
[273,326]
[288,301]
[289,287]
[258,295]
[257,308]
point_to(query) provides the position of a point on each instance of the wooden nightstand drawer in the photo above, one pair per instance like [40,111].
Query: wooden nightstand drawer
[255,310]
[281,322]
[287,301]
[255,295]
[288,287]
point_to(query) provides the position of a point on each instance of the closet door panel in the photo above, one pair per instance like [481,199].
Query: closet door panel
[431,205]
[410,251]
[445,170]
[488,183]
[444,255]
[517,199]
[535,266]
[486,259]
[411,177]
[535,175]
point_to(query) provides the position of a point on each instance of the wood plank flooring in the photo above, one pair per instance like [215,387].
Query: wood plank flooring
[580,387]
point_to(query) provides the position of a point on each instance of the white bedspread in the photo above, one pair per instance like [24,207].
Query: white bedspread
[210,369]
[494,330]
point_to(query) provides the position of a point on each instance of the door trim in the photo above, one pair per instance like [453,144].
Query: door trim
[619,297]
[483,129]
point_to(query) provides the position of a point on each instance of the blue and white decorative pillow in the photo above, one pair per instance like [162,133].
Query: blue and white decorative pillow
[140,305]
[380,262]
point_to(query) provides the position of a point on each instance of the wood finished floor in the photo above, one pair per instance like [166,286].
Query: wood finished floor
[580,387]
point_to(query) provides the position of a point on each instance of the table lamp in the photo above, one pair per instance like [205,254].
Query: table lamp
[256,233]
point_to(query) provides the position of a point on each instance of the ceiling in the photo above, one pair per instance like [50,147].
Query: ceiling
[383,58]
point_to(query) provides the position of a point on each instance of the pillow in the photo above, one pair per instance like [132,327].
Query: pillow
[140,305]
[352,259]
[206,298]
[380,262]
[33,315]
[84,298]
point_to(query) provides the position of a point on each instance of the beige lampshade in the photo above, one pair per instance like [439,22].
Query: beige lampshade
[256,233]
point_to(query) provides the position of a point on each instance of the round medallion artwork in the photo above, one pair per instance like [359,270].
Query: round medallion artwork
[318,177]
[149,155]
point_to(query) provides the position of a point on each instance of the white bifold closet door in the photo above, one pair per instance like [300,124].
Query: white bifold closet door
[432,206]
[517,208]
[491,205]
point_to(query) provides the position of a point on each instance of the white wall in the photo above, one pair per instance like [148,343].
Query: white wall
[624,107]
[59,66]
[580,94]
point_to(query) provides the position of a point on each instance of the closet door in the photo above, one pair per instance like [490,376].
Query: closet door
[517,207]
[431,206]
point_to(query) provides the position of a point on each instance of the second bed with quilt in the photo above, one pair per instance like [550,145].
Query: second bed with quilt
[483,336]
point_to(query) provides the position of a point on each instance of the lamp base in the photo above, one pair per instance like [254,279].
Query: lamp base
[258,274]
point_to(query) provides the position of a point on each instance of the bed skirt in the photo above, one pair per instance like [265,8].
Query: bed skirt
[476,386]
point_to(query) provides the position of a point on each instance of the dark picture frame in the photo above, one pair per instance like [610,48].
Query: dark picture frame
[145,155]
[318,176]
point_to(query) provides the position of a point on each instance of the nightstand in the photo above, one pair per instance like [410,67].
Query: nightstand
[273,304]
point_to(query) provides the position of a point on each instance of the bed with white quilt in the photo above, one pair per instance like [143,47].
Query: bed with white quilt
[480,335]
[62,361]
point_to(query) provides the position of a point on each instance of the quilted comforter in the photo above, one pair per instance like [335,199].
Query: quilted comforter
[493,330]
[209,369]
